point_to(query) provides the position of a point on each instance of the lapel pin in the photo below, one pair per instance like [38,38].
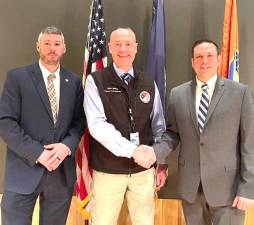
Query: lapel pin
[66,80]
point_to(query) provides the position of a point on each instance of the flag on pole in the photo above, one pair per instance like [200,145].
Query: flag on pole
[95,59]
[230,44]
[157,49]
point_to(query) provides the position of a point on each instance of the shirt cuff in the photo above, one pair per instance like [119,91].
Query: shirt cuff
[132,147]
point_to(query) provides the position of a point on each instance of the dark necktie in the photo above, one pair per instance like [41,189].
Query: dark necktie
[126,78]
[203,107]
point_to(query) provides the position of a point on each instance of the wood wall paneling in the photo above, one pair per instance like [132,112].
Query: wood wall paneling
[168,212]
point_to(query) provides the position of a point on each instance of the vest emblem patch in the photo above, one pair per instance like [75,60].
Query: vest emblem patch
[112,90]
[144,96]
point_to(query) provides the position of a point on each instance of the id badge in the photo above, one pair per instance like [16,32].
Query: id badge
[134,138]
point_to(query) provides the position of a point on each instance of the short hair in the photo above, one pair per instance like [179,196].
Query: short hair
[51,30]
[123,28]
[201,41]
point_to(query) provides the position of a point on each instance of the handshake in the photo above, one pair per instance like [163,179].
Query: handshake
[144,156]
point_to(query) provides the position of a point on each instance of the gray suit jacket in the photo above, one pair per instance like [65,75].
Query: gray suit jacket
[222,157]
[26,124]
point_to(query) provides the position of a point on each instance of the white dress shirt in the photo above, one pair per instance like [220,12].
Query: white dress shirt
[105,132]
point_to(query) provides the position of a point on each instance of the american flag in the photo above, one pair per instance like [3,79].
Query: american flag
[95,52]
[95,59]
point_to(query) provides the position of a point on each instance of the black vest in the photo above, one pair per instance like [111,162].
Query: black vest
[117,98]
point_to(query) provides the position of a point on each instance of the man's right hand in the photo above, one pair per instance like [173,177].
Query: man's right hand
[44,159]
[144,156]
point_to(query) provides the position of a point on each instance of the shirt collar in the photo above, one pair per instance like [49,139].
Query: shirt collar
[46,72]
[120,72]
[210,83]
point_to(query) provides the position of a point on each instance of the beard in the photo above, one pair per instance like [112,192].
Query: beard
[51,60]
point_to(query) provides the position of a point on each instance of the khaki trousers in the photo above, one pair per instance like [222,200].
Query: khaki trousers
[109,191]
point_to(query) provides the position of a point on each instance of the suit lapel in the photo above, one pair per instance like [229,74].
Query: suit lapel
[217,94]
[192,103]
[37,78]
[63,98]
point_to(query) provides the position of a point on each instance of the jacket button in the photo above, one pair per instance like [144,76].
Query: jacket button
[201,143]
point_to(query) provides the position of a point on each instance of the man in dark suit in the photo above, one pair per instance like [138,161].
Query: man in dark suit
[213,120]
[41,121]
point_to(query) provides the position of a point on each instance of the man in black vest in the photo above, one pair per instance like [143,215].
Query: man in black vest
[123,110]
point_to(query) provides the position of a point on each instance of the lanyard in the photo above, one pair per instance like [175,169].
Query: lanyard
[131,120]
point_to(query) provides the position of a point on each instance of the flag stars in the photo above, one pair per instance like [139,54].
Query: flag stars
[97,35]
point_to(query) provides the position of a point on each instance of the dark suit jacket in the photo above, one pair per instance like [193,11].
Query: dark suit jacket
[222,157]
[26,124]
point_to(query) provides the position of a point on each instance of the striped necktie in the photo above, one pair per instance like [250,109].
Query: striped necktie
[203,107]
[52,96]
[127,78]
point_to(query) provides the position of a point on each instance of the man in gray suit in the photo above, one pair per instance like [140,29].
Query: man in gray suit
[213,121]
[41,121]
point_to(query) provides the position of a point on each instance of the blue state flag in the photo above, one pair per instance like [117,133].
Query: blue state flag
[157,49]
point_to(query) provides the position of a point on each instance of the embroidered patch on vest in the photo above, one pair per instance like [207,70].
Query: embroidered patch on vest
[112,89]
[144,96]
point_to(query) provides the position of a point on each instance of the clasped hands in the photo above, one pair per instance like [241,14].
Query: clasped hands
[144,156]
[53,155]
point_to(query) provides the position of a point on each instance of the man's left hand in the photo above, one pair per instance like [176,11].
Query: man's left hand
[60,150]
[242,203]
[161,175]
